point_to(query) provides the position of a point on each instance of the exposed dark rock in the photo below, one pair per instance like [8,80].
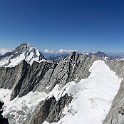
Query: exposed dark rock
[10,76]
[50,110]
[30,77]
[56,110]
[1,104]
[17,87]
[2,120]
[73,67]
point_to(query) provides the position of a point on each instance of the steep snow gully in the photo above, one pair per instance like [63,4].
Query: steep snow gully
[92,97]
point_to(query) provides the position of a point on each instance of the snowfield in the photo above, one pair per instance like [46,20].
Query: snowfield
[92,97]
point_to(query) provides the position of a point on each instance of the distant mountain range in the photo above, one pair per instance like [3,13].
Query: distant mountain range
[30,54]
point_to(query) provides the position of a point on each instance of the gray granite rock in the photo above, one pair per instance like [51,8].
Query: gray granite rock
[43,76]
[50,110]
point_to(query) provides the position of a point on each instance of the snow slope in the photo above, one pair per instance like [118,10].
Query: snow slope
[92,97]
[20,108]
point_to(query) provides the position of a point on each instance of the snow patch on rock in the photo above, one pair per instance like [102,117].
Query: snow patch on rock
[25,105]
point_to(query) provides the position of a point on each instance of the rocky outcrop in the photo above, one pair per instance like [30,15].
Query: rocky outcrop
[73,67]
[10,76]
[30,77]
[116,66]
[50,110]
[2,120]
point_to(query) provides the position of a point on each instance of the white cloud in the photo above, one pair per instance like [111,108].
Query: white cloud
[61,51]
[49,51]
[4,50]
[66,51]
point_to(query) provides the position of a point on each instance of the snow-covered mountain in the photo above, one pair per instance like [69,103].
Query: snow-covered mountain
[92,99]
[22,52]
[80,88]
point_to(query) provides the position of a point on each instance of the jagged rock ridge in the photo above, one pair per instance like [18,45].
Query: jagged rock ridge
[44,77]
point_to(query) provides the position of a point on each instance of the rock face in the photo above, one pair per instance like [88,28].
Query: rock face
[116,113]
[30,77]
[50,110]
[70,68]
[2,120]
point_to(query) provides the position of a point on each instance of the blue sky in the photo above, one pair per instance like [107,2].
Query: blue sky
[68,24]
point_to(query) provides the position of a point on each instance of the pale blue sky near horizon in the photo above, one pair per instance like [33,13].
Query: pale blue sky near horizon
[84,25]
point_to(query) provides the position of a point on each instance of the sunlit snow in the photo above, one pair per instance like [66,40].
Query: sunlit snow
[92,97]
[28,55]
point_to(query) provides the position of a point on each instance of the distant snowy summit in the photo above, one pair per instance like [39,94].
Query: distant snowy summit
[22,52]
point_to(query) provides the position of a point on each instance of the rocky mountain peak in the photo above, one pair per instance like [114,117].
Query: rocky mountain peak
[100,54]
[22,52]
[23,47]
[27,50]
[73,56]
